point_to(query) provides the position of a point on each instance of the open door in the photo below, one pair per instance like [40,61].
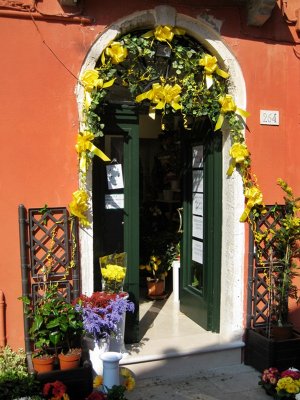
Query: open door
[116,210]
[201,243]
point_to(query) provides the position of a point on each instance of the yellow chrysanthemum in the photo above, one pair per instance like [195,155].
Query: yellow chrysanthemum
[98,380]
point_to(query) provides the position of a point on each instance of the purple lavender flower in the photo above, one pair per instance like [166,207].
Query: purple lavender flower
[101,322]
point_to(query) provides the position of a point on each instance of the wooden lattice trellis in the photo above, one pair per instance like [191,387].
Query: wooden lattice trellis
[49,252]
[259,267]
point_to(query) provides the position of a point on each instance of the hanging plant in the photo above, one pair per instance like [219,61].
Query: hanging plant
[171,73]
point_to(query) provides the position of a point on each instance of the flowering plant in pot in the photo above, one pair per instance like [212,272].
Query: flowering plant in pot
[281,385]
[101,313]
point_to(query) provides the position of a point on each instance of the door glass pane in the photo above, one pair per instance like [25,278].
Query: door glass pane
[196,275]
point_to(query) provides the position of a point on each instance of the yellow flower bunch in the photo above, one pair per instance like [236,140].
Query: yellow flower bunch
[288,384]
[128,381]
[113,272]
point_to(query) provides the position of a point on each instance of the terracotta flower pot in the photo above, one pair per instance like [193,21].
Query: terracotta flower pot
[69,361]
[156,287]
[43,364]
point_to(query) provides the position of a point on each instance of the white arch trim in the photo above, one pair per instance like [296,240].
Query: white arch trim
[233,237]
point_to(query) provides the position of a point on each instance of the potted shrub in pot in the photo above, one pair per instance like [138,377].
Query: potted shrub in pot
[276,237]
[283,250]
[157,257]
[56,324]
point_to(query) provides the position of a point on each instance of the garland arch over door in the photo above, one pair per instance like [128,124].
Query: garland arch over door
[233,231]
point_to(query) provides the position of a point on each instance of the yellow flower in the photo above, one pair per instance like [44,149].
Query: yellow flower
[129,383]
[113,272]
[89,79]
[98,380]
[116,52]
[292,388]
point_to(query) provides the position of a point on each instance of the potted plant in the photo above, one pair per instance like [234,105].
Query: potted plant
[101,314]
[158,253]
[283,250]
[277,249]
[281,385]
[56,324]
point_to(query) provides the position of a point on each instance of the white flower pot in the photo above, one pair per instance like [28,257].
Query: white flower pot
[92,350]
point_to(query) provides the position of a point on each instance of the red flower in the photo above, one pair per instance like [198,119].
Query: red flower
[295,374]
[54,389]
[98,299]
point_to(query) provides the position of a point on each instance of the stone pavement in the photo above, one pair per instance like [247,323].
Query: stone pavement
[235,382]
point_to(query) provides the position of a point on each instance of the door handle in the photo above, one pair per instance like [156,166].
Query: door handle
[179,210]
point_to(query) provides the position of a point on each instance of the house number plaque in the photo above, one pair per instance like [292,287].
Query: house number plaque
[269,117]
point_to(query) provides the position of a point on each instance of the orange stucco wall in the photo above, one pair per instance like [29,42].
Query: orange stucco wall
[39,119]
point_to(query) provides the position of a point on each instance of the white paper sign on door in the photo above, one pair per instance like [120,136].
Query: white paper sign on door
[198,180]
[197,227]
[197,251]
[197,156]
[114,176]
[198,203]
[114,201]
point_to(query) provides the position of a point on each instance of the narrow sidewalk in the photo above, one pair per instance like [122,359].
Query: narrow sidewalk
[237,382]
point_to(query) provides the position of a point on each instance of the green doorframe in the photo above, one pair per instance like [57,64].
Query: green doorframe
[120,121]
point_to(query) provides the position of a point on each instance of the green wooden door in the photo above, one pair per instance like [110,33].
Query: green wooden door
[201,243]
[116,211]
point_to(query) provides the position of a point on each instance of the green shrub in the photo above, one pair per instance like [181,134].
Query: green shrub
[15,381]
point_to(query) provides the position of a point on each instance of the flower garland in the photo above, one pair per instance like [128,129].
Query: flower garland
[194,86]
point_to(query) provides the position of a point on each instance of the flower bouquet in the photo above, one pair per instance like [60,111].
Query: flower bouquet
[102,311]
[102,314]
[113,272]
[281,385]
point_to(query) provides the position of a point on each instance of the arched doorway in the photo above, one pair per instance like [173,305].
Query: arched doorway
[231,246]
